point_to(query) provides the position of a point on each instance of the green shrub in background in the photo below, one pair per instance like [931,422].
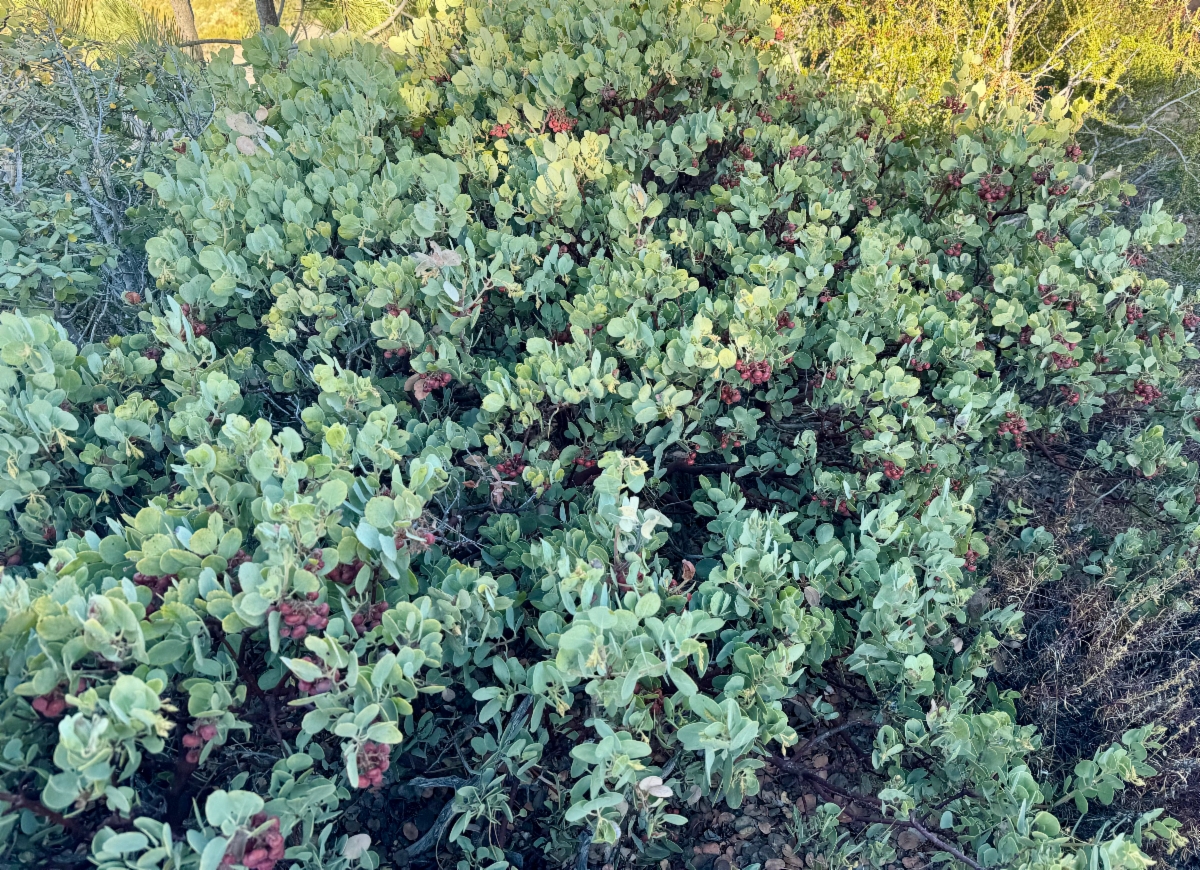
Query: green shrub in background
[572,363]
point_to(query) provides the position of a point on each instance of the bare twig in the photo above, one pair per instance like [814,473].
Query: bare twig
[423,782]
[915,824]
[825,735]
[193,42]
[396,13]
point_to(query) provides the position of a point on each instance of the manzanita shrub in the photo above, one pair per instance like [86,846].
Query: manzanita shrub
[566,362]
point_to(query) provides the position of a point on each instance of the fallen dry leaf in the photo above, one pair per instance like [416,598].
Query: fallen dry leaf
[355,846]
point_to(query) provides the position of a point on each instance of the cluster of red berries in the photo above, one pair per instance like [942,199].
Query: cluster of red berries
[1074,152]
[133,297]
[969,558]
[500,131]
[1069,396]
[726,440]
[1133,312]
[299,616]
[345,573]
[237,560]
[154,353]
[511,467]
[870,202]
[789,234]
[891,470]
[765,116]
[730,395]
[322,685]
[798,152]
[560,122]
[198,327]
[954,179]
[1146,393]
[992,190]
[1063,361]
[715,73]
[1041,175]
[157,585]
[1026,335]
[1070,345]
[954,250]
[1014,425]
[784,321]
[194,740]
[1191,321]
[919,366]
[365,620]
[436,380]
[373,762]
[1046,239]
[824,297]
[584,462]
[50,705]
[728,181]
[608,93]
[955,105]
[755,372]
[745,151]
[262,850]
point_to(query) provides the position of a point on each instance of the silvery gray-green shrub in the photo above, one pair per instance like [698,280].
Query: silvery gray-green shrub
[576,363]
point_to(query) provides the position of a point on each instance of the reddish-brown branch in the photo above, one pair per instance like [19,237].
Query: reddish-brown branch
[35,806]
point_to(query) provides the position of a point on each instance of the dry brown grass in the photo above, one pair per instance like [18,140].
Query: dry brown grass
[1099,657]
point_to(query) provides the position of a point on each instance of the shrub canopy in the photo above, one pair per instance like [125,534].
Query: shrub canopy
[562,364]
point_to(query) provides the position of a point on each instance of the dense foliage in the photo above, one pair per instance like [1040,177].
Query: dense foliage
[573,368]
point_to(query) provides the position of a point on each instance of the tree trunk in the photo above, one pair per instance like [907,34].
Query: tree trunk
[267,16]
[185,23]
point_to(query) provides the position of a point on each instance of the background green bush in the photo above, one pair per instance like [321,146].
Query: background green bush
[579,367]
